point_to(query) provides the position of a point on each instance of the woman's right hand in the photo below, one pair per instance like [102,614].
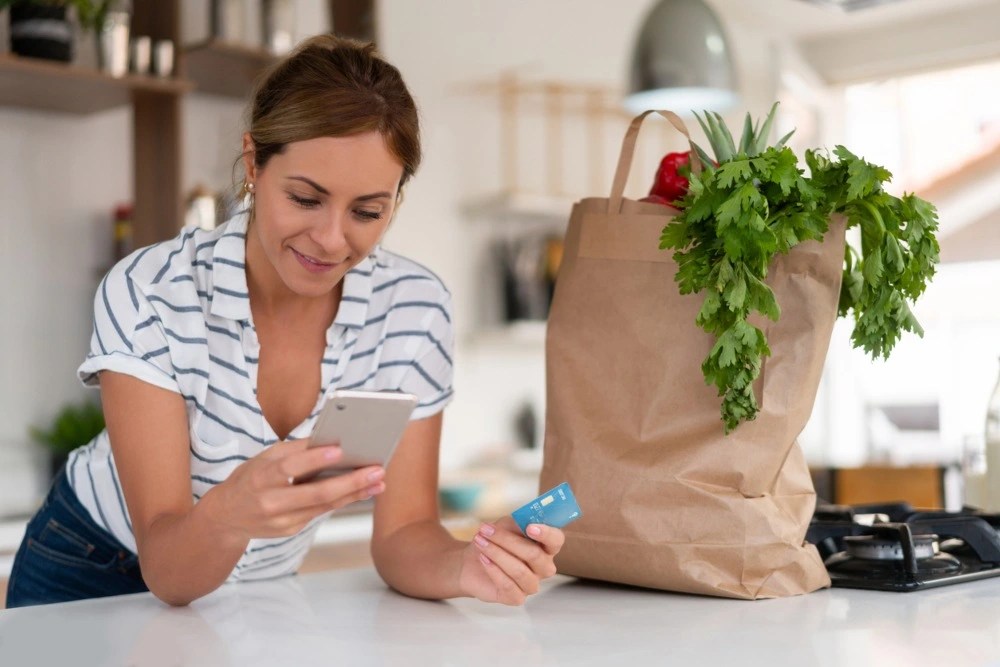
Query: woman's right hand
[261,499]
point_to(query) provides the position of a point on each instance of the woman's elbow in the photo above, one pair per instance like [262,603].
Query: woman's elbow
[171,597]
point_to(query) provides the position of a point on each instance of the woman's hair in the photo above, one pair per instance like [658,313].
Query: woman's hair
[333,87]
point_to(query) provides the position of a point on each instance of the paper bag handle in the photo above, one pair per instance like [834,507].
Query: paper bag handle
[628,151]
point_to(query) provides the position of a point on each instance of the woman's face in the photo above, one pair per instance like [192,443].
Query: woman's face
[320,207]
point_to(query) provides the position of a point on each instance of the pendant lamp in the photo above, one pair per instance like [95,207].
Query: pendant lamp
[682,61]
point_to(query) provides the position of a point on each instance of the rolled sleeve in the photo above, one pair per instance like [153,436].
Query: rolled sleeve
[128,336]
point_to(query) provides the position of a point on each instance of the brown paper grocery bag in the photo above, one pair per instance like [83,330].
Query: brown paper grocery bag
[669,501]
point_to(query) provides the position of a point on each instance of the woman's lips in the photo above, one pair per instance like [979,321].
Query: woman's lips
[313,265]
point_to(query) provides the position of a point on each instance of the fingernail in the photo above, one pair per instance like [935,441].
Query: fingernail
[376,475]
[331,453]
[534,531]
[481,541]
[375,489]
[487,530]
[484,560]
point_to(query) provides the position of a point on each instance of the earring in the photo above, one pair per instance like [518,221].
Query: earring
[248,187]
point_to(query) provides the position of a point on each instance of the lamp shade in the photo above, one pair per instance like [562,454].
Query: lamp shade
[681,61]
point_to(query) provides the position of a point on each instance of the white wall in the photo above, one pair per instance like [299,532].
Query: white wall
[60,177]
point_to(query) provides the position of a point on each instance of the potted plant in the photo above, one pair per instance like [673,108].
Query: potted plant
[42,28]
[74,426]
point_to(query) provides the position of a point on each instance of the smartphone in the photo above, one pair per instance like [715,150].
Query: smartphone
[366,424]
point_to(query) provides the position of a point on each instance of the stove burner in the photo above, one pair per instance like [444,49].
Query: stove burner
[877,557]
[893,547]
[876,548]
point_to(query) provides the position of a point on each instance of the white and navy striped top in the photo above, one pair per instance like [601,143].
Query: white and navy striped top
[177,315]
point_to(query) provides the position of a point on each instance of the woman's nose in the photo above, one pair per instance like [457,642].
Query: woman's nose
[332,237]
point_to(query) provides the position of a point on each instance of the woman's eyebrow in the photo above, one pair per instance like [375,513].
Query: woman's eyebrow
[311,182]
[374,195]
[321,189]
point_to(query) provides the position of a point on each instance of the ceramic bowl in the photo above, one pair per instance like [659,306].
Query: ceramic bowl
[460,497]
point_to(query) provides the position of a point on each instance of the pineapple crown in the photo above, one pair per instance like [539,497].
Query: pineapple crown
[753,141]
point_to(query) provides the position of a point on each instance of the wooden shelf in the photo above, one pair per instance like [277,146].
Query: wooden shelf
[34,83]
[519,207]
[223,68]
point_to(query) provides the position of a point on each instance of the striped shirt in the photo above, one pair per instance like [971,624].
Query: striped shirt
[177,315]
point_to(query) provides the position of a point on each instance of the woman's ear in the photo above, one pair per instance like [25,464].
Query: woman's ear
[249,165]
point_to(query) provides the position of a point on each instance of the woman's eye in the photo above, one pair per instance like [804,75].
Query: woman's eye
[303,202]
[369,215]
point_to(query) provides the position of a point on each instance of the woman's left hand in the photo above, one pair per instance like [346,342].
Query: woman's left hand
[502,565]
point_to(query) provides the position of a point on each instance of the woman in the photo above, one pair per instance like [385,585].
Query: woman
[213,352]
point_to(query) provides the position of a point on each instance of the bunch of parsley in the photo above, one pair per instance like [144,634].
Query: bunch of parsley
[757,203]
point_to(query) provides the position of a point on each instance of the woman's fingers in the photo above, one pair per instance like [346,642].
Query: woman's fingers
[551,539]
[334,492]
[284,448]
[302,463]
[267,501]
[330,493]
[513,566]
[287,510]
[292,523]
[537,553]
[507,591]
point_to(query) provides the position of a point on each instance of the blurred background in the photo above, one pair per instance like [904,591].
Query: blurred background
[128,127]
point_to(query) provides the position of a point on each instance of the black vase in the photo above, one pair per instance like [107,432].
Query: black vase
[41,31]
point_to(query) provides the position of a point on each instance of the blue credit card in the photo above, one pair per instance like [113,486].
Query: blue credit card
[556,507]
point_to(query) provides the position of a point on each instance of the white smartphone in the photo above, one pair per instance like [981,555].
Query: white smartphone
[366,424]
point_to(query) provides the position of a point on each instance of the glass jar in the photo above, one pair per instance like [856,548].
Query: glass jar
[992,440]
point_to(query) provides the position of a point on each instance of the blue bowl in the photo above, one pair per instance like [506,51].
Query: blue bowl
[460,497]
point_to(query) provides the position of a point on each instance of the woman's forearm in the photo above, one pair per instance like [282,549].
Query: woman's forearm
[421,560]
[186,556]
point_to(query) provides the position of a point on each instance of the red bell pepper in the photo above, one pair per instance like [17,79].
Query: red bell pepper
[669,183]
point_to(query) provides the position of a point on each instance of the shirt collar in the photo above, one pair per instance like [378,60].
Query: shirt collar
[356,294]
[231,299]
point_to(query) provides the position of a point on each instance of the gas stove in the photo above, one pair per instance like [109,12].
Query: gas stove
[892,547]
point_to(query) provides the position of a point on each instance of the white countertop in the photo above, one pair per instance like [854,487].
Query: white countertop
[349,617]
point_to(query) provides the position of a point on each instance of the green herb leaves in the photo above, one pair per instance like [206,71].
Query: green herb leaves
[898,254]
[758,203]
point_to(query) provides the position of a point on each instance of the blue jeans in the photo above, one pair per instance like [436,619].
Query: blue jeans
[66,556]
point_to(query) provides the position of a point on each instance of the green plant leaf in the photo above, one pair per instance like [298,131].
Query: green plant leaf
[765,131]
[675,235]
[746,141]
[74,426]
[736,293]
[710,135]
[784,139]
[725,135]
[734,171]
[706,160]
